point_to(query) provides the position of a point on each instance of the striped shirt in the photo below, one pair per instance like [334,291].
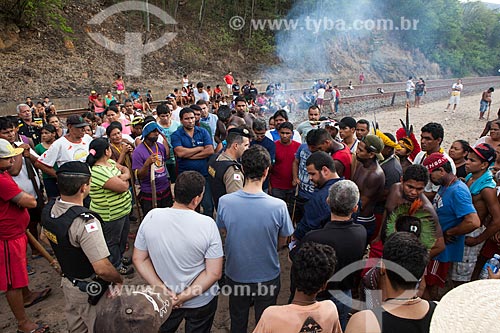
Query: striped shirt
[109,205]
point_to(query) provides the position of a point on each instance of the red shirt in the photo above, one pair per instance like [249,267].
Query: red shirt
[228,79]
[344,156]
[281,174]
[13,220]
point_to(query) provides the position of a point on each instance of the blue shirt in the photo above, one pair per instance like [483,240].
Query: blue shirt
[316,211]
[201,137]
[306,187]
[253,223]
[452,204]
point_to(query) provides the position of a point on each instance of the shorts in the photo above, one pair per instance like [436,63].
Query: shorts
[13,270]
[229,86]
[319,101]
[119,92]
[462,271]
[454,100]
[483,106]
[419,93]
[408,94]
[436,273]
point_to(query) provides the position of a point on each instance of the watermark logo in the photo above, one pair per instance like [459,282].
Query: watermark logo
[133,49]
[325,24]
[93,288]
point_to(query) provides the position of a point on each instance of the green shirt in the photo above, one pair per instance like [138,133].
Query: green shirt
[109,205]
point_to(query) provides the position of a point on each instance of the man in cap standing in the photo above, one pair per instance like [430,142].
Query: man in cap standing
[150,152]
[74,146]
[370,178]
[457,217]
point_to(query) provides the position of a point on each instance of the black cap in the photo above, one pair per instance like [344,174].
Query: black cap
[76,121]
[347,122]
[240,131]
[74,168]
[139,309]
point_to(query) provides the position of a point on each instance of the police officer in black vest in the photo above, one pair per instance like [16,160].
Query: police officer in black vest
[75,234]
[225,174]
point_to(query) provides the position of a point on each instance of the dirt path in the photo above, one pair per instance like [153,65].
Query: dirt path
[460,125]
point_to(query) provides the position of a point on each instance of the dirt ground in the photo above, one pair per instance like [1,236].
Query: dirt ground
[463,124]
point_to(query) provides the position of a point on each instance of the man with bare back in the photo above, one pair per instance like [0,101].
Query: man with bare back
[370,178]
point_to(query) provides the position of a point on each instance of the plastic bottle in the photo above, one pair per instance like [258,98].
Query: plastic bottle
[494,263]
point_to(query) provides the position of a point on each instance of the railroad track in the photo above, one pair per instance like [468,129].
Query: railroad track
[367,92]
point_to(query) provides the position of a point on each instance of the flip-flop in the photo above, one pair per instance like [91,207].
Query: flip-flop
[41,296]
[40,329]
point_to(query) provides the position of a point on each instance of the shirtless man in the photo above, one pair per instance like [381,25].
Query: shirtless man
[370,178]
[240,105]
[483,190]
[407,191]
[485,102]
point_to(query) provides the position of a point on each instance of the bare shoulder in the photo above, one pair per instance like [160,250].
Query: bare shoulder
[363,322]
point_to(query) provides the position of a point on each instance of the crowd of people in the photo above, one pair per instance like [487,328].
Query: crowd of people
[219,189]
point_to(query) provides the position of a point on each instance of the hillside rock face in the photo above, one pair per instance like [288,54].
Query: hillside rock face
[41,61]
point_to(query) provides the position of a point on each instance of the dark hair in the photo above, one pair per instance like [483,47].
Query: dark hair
[6,123]
[112,126]
[315,137]
[69,184]
[49,128]
[365,122]
[436,130]
[255,160]
[259,124]
[281,113]
[409,224]
[53,116]
[313,265]
[201,102]
[233,138]
[240,99]
[199,85]
[320,159]
[188,185]
[465,145]
[286,125]
[224,113]
[185,111]
[447,167]
[111,108]
[390,136]
[99,145]
[313,107]
[162,109]
[88,115]
[148,119]
[416,172]
[405,250]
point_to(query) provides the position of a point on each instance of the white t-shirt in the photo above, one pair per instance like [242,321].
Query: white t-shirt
[459,87]
[22,179]
[63,150]
[178,242]
[321,93]
[410,86]
[175,114]
[201,95]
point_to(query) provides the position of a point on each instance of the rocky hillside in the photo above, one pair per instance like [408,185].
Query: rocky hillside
[41,60]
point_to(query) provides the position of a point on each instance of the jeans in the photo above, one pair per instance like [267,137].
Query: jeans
[116,236]
[198,320]
[263,295]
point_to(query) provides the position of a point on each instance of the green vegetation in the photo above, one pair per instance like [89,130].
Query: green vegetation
[462,37]
[26,13]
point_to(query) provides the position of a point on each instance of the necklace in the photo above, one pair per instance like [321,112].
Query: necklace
[403,300]
[157,160]
[118,149]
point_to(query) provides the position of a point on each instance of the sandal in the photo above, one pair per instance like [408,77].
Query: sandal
[124,270]
[40,297]
[30,269]
[41,328]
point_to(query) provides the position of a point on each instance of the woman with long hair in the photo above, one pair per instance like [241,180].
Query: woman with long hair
[458,152]
[111,199]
